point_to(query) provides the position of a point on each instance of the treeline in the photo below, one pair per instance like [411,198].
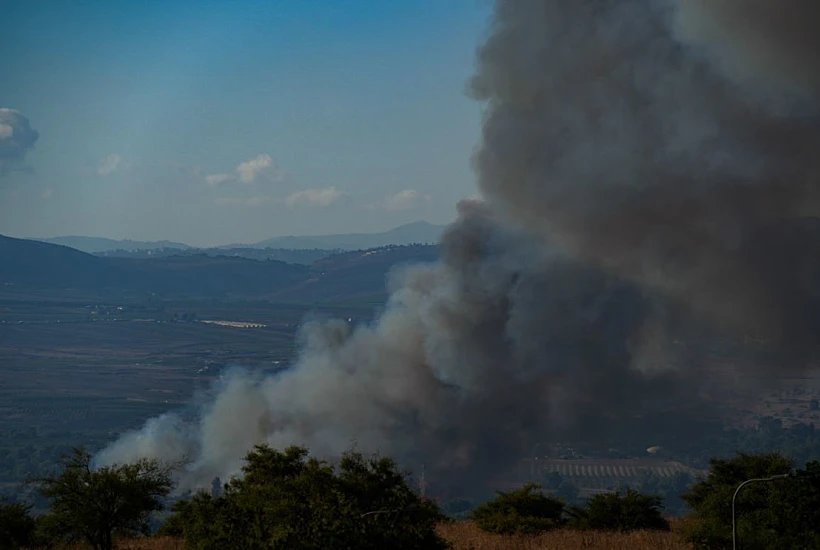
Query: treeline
[287,499]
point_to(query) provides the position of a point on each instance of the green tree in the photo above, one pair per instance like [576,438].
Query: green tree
[526,510]
[286,499]
[619,511]
[784,513]
[16,526]
[95,504]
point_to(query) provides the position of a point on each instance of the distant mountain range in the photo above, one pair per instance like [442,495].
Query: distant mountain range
[26,264]
[420,232]
[100,244]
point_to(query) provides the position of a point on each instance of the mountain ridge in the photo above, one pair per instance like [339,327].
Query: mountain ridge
[418,232]
[27,264]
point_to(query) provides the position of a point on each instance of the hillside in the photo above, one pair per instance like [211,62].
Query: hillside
[33,264]
[420,232]
[101,244]
[359,275]
[37,264]
[207,276]
[350,275]
[287,255]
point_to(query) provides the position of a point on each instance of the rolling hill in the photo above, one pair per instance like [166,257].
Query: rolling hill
[101,244]
[359,275]
[38,264]
[351,275]
[420,232]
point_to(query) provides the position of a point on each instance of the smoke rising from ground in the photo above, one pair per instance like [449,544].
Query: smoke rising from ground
[641,191]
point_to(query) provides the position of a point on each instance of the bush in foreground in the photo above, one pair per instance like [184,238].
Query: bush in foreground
[523,511]
[16,526]
[629,511]
[288,500]
[781,513]
[96,504]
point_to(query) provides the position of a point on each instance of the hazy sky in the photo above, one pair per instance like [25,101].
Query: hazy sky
[232,121]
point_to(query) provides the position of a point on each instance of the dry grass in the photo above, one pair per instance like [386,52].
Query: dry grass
[466,536]
[161,543]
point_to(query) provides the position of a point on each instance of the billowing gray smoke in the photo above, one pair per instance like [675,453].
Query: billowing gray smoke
[656,140]
[647,184]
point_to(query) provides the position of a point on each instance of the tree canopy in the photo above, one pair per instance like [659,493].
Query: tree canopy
[287,499]
[522,511]
[619,511]
[95,504]
[782,513]
[16,525]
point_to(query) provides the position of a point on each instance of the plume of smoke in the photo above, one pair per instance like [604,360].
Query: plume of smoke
[758,40]
[612,138]
[638,194]
[495,345]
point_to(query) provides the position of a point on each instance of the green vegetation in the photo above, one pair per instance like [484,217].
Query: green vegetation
[627,511]
[782,513]
[288,500]
[523,511]
[96,504]
[16,526]
[528,511]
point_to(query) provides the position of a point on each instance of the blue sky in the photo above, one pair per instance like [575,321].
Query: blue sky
[233,121]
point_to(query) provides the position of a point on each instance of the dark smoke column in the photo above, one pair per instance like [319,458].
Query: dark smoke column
[671,142]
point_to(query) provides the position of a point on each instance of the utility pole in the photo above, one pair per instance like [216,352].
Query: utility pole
[739,487]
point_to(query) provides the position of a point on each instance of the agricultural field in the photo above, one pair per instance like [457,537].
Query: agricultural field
[80,369]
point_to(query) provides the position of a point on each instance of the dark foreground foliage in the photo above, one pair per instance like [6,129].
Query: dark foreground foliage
[287,499]
[628,511]
[95,504]
[16,526]
[523,511]
[781,513]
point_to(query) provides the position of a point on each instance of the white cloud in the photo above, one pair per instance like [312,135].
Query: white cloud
[235,201]
[408,199]
[246,172]
[17,138]
[250,169]
[45,195]
[218,179]
[317,198]
[109,165]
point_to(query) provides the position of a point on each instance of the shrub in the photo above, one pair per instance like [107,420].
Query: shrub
[618,511]
[16,526]
[782,513]
[95,504]
[523,511]
[288,500]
